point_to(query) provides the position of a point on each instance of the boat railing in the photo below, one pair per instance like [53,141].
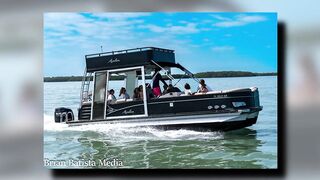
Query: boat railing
[166,71]
[85,86]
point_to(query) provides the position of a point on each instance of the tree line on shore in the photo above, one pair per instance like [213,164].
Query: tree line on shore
[213,74]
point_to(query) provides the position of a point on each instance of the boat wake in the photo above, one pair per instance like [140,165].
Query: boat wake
[130,133]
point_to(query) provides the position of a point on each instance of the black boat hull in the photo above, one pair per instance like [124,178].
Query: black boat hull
[218,126]
[204,122]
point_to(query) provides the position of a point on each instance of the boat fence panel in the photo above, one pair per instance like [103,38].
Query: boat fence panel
[99,95]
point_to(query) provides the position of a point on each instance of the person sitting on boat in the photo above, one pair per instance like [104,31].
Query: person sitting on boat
[156,83]
[187,89]
[123,94]
[140,92]
[136,94]
[111,96]
[201,84]
[169,89]
[203,88]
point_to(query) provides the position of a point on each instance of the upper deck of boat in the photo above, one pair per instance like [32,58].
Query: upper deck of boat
[130,58]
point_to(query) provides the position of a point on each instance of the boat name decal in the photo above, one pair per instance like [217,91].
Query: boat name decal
[220,95]
[113,60]
[110,109]
[128,112]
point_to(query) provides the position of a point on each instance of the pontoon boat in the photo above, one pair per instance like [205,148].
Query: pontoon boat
[214,110]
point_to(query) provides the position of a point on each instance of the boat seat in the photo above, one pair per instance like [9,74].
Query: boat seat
[237,90]
[185,94]
[172,94]
[214,92]
[199,94]
[230,90]
[123,100]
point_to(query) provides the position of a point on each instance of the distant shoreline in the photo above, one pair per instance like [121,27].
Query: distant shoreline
[215,74]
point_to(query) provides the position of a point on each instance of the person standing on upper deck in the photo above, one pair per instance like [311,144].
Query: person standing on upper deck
[156,83]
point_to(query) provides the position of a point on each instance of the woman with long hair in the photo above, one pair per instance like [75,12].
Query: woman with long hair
[123,94]
[202,87]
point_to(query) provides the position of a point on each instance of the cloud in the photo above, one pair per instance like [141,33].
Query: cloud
[239,20]
[207,21]
[80,29]
[90,24]
[251,19]
[222,48]
[221,18]
[120,15]
[188,28]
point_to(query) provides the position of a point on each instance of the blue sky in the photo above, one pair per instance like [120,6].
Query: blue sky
[202,41]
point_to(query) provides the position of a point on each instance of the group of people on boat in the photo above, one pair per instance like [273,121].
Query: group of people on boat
[203,88]
[138,92]
[155,91]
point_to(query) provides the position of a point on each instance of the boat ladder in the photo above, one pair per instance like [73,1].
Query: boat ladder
[85,86]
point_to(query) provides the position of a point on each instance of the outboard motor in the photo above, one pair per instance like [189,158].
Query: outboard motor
[63,114]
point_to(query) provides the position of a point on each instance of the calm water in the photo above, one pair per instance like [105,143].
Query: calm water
[253,147]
